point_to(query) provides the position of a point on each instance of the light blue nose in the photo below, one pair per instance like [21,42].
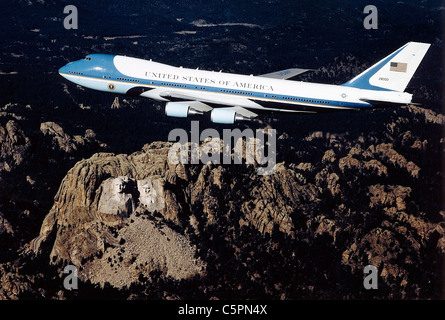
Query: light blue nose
[65,68]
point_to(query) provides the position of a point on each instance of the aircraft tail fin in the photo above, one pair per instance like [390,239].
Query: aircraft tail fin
[394,71]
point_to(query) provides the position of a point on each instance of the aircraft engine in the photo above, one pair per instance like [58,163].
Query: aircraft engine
[180,110]
[226,116]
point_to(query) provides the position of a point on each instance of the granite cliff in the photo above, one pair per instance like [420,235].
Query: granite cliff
[357,204]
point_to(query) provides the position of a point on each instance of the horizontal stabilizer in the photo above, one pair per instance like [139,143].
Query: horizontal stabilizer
[382,104]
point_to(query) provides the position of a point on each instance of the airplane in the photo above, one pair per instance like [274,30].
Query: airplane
[234,97]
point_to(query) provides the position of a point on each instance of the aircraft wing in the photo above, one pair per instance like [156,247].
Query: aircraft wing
[285,74]
[204,106]
[197,105]
[244,112]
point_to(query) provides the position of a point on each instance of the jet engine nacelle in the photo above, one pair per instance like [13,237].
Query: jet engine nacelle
[180,110]
[226,116]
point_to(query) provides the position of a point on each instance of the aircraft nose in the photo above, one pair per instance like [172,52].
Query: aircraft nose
[62,70]
[65,69]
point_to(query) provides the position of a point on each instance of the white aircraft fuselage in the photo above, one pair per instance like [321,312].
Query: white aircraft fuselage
[232,97]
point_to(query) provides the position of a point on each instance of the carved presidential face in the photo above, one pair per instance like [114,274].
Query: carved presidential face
[146,188]
[119,185]
[148,192]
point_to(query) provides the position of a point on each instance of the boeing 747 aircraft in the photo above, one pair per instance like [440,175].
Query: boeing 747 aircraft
[234,97]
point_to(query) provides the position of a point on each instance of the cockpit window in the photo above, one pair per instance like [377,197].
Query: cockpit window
[88,58]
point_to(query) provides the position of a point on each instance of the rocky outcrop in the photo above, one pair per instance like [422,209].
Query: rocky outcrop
[109,192]
[14,146]
[389,196]
[108,188]
[106,192]
[14,285]
[5,226]
[63,141]
[87,196]
[329,156]
[333,205]
[430,115]
[328,180]
[385,248]
[376,167]
[386,152]
[349,162]
[141,213]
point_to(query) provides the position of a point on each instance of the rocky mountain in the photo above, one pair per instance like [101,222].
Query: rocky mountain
[125,220]
[138,226]
[14,144]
